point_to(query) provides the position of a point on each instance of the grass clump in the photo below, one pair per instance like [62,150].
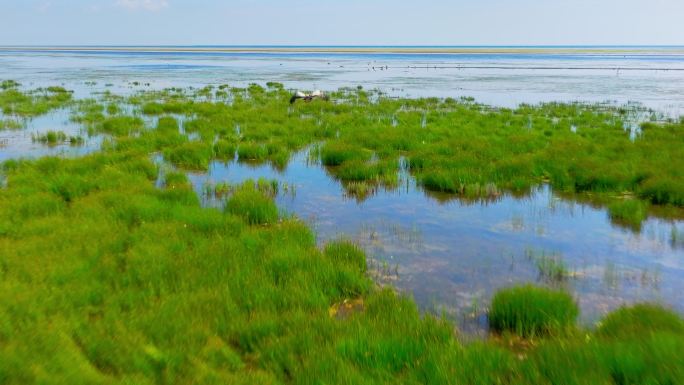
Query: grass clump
[120,125]
[532,311]
[167,124]
[346,252]
[252,151]
[350,265]
[51,137]
[175,179]
[334,154]
[639,321]
[253,205]
[663,189]
[10,124]
[76,140]
[360,190]
[190,155]
[631,212]
[224,150]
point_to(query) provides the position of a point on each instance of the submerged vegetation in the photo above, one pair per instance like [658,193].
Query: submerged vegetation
[107,277]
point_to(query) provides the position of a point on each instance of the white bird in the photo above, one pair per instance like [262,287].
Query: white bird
[318,94]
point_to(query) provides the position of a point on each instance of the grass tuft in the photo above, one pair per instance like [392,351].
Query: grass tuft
[631,212]
[255,206]
[639,321]
[532,311]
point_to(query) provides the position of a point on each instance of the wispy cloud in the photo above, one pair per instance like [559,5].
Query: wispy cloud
[147,5]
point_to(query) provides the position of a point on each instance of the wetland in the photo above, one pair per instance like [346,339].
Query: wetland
[192,233]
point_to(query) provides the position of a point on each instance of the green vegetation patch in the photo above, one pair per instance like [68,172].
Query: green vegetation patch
[334,154]
[253,204]
[190,155]
[530,311]
[31,103]
[639,321]
[631,212]
[106,278]
[57,137]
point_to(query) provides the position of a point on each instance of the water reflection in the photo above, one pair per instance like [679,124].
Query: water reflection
[452,254]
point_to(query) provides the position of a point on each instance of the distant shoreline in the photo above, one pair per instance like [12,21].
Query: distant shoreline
[560,50]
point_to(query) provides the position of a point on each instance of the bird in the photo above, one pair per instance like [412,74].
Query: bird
[308,97]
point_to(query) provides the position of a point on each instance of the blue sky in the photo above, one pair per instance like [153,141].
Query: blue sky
[354,22]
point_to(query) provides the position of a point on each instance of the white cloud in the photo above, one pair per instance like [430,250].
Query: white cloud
[148,5]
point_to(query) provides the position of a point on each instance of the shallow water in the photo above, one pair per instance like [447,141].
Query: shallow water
[652,76]
[20,143]
[452,255]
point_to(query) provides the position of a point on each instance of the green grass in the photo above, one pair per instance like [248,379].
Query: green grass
[224,150]
[31,103]
[631,212]
[76,140]
[51,137]
[190,155]
[252,151]
[640,321]
[168,291]
[107,279]
[120,125]
[531,311]
[452,146]
[346,252]
[167,124]
[457,147]
[175,179]
[334,154]
[10,124]
[253,204]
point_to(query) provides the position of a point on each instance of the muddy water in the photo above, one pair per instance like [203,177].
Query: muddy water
[451,255]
